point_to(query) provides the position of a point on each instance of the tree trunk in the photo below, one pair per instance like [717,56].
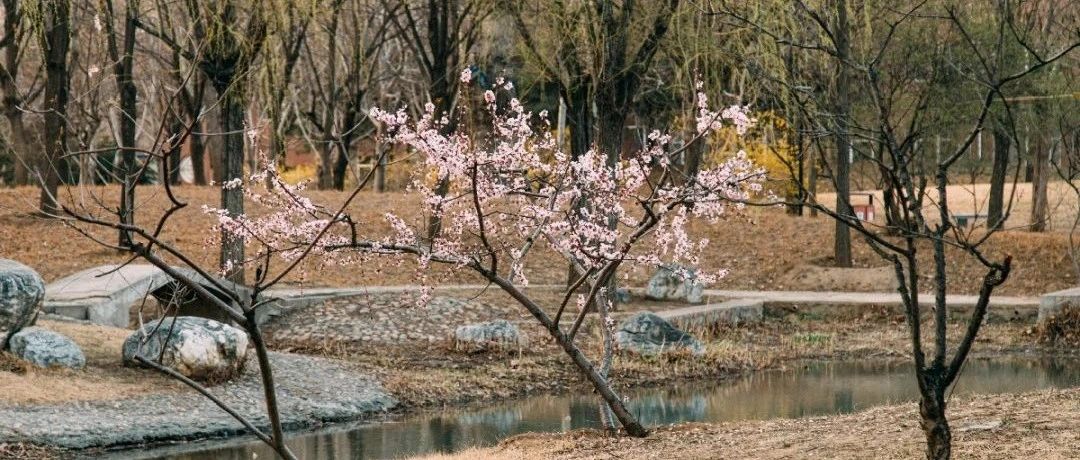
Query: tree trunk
[998,173]
[842,243]
[57,31]
[172,162]
[380,169]
[325,171]
[232,197]
[341,167]
[934,424]
[198,155]
[580,122]
[1040,204]
[19,146]
[600,384]
[277,135]
[694,154]
[811,188]
[125,86]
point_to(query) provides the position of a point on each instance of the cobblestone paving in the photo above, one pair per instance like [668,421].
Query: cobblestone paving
[390,318]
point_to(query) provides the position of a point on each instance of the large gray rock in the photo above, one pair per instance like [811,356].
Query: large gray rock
[674,282]
[198,348]
[648,334]
[21,293]
[45,348]
[498,334]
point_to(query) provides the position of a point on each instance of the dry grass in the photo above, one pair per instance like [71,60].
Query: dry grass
[24,451]
[1062,329]
[1010,426]
[103,378]
[762,250]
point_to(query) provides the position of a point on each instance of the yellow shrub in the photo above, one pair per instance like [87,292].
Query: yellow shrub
[298,173]
[766,144]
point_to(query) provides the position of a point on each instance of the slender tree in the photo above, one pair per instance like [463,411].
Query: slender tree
[55,35]
[16,91]
[228,47]
[122,54]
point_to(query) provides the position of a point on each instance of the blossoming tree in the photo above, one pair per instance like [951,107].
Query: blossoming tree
[510,189]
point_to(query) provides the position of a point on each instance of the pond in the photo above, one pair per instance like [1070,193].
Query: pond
[813,389]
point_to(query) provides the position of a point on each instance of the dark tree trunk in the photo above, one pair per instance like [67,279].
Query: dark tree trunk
[18,145]
[1039,184]
[580,121]
[325,170]
[934,424]
[341,167]
[232,197]
[811,186]
[381,159]
[842,243]
[609,135]
[600,384]
[125,84]
[172,162]
[198,156]
[998,173]
[694,154]
[890,197]
[9,76]
[57,38]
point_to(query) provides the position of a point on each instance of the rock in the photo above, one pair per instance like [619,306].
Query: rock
[21,293]
[648,335]
[709,316]
[498,334]
[622,295]
[674,282]
[198,348]
[45,348]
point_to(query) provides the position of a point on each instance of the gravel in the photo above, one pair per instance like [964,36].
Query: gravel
[387,319]
[310,391]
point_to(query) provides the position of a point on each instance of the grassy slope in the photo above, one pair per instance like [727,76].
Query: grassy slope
[760,248]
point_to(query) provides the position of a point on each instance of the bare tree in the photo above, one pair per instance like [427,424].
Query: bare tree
[55,37]
[342,68]
[290,25]
[897,95]
[122,54]
[17,92]
[228,47]
[441,35]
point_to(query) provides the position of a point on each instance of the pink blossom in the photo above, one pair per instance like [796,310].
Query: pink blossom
[514,187]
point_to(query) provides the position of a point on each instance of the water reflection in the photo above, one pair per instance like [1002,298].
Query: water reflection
[816,389]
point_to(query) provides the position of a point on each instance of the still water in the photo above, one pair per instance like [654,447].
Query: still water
[813,389]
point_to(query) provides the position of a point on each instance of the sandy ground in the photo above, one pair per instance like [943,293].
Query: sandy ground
[104,376]
[974,199]
[764,249]
[1012,426]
